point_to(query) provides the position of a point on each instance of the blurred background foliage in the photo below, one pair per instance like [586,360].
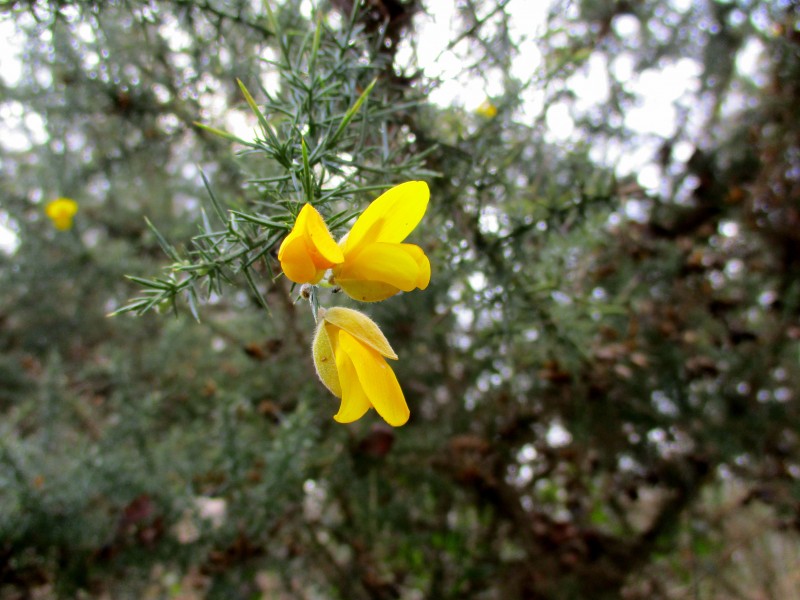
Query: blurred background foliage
[603,375]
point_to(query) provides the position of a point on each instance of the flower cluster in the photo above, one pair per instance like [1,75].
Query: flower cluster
[370,263]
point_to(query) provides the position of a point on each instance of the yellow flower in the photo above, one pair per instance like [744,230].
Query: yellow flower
[61,211]
[487,109]
[349,352]
[376,264]
[309,250]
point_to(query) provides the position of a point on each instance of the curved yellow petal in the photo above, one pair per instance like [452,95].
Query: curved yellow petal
[354,399]
[388,263]
[361,327]
[390,217]
[325,360]
[296,261]
[376,380]
[423,265]
[321,240]
[381,270]
[368,291]
[309,249]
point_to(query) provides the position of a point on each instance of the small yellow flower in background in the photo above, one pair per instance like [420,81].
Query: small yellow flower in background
[61,211]
[309,250]
[376,264]
[487,109]
[349,354]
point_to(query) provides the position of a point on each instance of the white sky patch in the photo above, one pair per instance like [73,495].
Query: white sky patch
[477,281]
[12,41]
[176,38]
[558,436]
[489,220]
[682,151]
[560,124]
[85,32]
[527,453]
[435,30]
[528,19]
[626,26]
[9,240]
[90,59]
[214,103]
[681,5]
[530,61]
[533,101]
[659,92]
[464,316]
[270,77]
[44,78]
[241,124]
[622,66]
[749,62]
[633,159]
[20,130]
[591,86]
[649,176]
[306,8]
[729,228]
[527,22]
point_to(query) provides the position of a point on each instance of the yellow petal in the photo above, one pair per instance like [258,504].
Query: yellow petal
[354,399]
[389,263]
[394,267]
[296,261]
[325,361]
[319,236]
[423,264]
[391,217]
[361,327]
[367,291]
[309,249]
[376,380]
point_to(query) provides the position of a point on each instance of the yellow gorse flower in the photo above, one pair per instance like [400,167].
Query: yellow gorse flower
[61,211]
[487,109]
[370,263]
[376,264]
[309,250]
[350,357]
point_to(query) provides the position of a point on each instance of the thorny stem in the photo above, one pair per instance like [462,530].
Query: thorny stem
[310,292]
